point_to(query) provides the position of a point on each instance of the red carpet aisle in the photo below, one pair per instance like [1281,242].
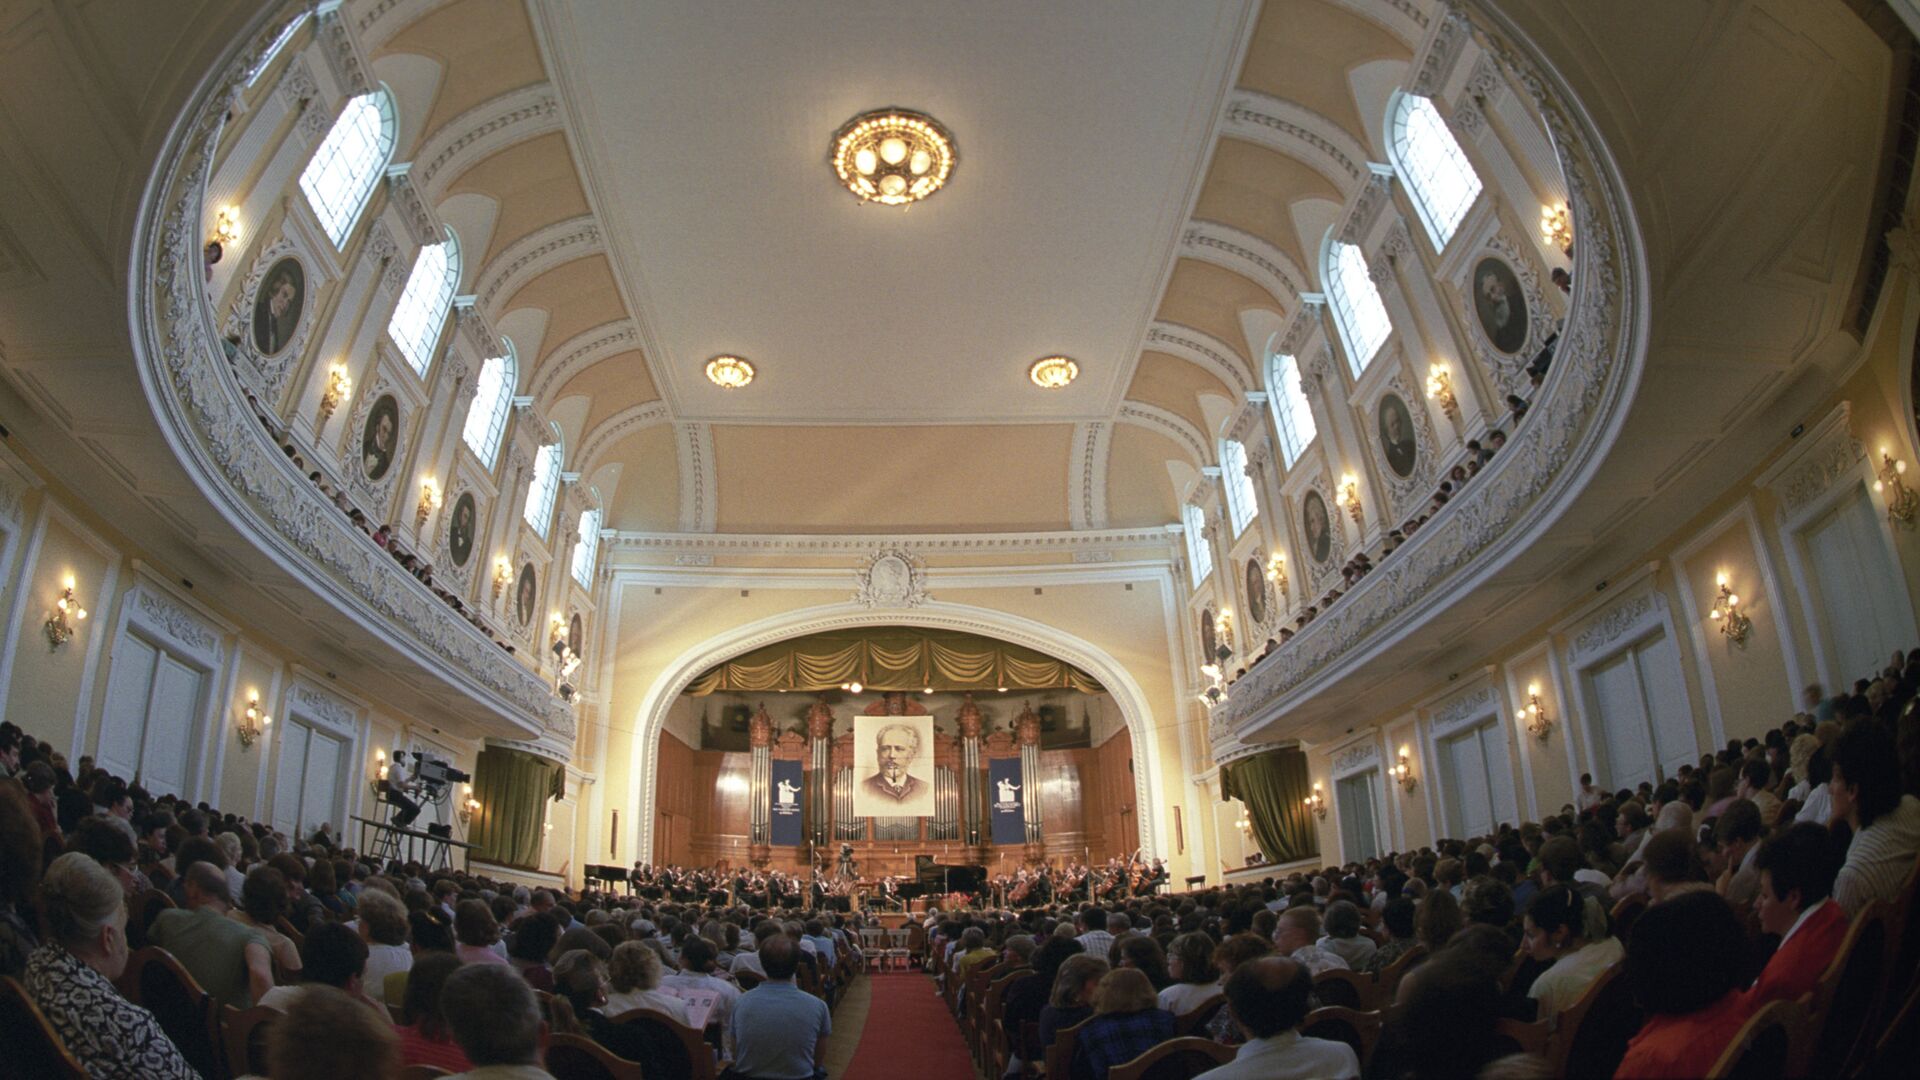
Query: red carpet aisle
[908,1034]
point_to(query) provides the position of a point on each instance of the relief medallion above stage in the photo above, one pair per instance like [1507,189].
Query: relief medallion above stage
[893,577]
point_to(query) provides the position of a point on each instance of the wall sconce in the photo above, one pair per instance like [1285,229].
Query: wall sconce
[1901,500]
[253,723]
[1440,389]
[380,765]
[1223,630]
[429,502]
[1539,724]
[1734,624]
[339,386]
[226,226]
[1317,802]
[1402,771]
[1556,227]
[502,576]
[1245,824]
[1349,496]
[469,806]
[59,630]
[1277,572]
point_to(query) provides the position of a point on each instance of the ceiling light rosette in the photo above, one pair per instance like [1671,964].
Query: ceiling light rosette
[894,157]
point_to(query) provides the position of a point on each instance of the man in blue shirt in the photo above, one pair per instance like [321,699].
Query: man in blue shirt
[822,944]
[779,1030]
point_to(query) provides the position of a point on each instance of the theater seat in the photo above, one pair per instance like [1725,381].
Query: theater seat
[32,1046]
[1175,1059]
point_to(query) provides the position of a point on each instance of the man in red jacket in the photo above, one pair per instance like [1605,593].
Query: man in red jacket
[1797,869]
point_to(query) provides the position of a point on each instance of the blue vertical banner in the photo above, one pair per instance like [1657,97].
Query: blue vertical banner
[1007,800]
[785,800]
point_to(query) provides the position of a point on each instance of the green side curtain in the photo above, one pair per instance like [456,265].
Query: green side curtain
[512,788]
[894,658]
[1275,785]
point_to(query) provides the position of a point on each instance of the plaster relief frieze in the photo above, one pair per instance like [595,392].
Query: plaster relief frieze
[579,353]
[299,94]
[343,53]
[1837,456]
[1615,623]
[407,199]
[482,131]
[1468,118]
[1304,323]
[1465,707]
[892,578]
[533,255]
[691,558]
[1508,371]
[1412,491]
[1176,427]
[1251,256]
[1203,350]
[179,624]
[698,511]
[1354,758]
[383,252]
[1372,199]
[1087,475]
[1091,558]
[1443,51]
[1156,538]
[319,705]
[1300,133]
[1600,349]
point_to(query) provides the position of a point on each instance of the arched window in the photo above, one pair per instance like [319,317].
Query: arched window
[343,171]
[417,318]
[545,485]
[1357,306]
[1431,164]
[492,399]
[1291,413]
[1199,553]
[1242,506]
[587,549]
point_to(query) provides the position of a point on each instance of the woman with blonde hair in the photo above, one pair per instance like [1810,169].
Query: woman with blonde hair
[1127,1022]
[71,976]
[1072,998]
[635,973]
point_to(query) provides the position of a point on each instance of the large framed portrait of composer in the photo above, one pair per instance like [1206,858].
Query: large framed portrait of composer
[380,437]
[1257,591]
[1398,444]
[893,766]
[1316,525]
[1500,304]
[526,595]
[277,305]
[460,531]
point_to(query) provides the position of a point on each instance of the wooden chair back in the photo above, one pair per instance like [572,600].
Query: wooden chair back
[1627,911]
[1175,1059]
[1357,1029]
[1519,1037]
[1059,1053]
[422,1072]
[674,1049]
[576,1057]
[993,1004]
[1348,989]
[1591,1036]
[155,981]
[1899,1046]
[1848,994]
[746,980]
[244,1033]
[1390,976]
[33,1047]
[142,908]
[1771,1045]
[1197,1018]
[1031,1051]
[917,943]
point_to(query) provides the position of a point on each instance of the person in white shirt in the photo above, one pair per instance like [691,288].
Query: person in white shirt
[1295,937]
[1886,823]
[748,960]
[383,926]
[1570,931]
[1589,796]
[634,975]
[697,977]
[1343,938]
[1269,998]
[1190,962]
[1097,940]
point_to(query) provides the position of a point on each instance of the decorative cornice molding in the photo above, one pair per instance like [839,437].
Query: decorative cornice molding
[299,93]
[1364,208]
[535,254]
[579,353]
[375,22]
[409,202]
[342,52]
[1087,475]
[1441,52]
[1356,757]
[774,544]
[482,131]
[1250,256]
[317,704]
[177,622]
[1203,350]
[1298,132]
[616,427]
[698,487]
[892,578]
[1473,704]
[1616,622]
[1172,425]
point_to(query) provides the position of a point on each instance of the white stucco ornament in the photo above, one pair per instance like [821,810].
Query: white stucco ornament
[893,577]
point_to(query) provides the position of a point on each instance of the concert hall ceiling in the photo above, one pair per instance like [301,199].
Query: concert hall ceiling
[682,206]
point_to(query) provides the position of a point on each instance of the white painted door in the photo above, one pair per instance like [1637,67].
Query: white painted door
[171,734]
[1470,808]
[1616,709]
[1359,833]
[123,717]
[289,779]
[1663,692]
[1862,620]
[319,794]
[1493,751]
[150,721]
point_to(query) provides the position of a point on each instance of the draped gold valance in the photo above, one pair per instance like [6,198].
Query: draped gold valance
[894,658]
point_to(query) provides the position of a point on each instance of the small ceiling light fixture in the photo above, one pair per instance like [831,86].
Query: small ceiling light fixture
[894,157]
[729,372]
[1053,372]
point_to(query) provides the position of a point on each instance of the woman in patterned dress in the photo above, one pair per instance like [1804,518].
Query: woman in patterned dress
[71,978]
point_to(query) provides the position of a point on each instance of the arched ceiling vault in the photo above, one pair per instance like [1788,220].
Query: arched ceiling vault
[516,116]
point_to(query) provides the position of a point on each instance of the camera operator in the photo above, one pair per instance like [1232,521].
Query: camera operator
[400,784]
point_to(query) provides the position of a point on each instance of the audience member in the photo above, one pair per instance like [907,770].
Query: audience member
[383,926]
[1297,936]
[635,976]
[1071,1001]
[1397,918]
[1190,965]
[1794,901]
[1343,937]
[326,1034]
[1569,932]
[1127,1022]
[1865,791]
[478,933]
[1269,998]
[779,1031]
[1684,964]
[424,1035]
[495,1020]
[228,960]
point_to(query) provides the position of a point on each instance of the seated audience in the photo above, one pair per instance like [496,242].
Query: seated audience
[1444,1026]
[333,955]
[1026,997]
[71,978]
[326,1034]
[1071,1001]
[1397,918]
[1794,901]
[533,940]
[424,1036]
[1684,964]
[1343,937]
[635,976]
[1127,1022]
[228,960]
[383,926]
[1190,966]
[696,976]
[1865,791]
[579,1008]
[496,1022]
[263,903]
[1269,998]
[1437,919]
[1143,954]
[1737,833]
[1296,935]
[1672,863]
[779,1031]
[20,854]
[477,932]
[1567,931]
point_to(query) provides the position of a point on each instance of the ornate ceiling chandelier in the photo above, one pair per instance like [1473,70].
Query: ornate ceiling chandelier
[894,157]
[1053,372]
[729,372]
